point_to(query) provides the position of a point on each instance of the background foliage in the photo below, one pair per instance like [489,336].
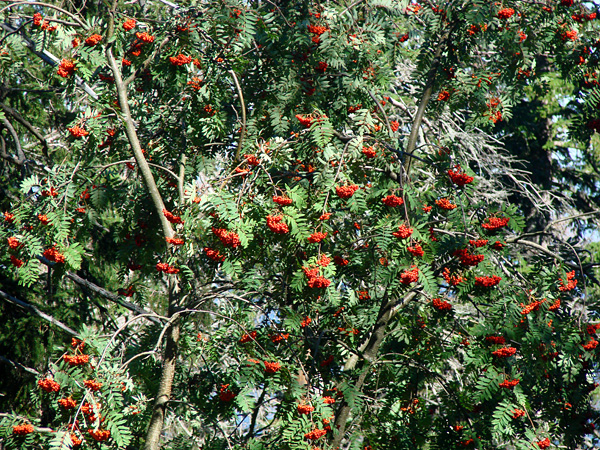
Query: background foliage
[299,225]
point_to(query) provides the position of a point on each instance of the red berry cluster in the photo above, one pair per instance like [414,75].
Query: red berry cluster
[346,192]
[487,281]
[16,261]
[252,160]
[76,360]
[506,13]
[99,435]
[278,337]
[129,24]
[226,395]
[228,238]
[509,384]
[321,66]
[305,120]
[315,434]
[403,232]
[272,367]
[77,131]
[392,200]
[445,204]
[443,96]
[180,60]
[441,305]
[174,241]
[417,250]
[94,39]
[172,218]
[67,403]
[339,261]
[498,245]
[166,268]
[145,37]
[592,344]
[50,193]
[369,152]
[43,218]
[316,237]
[92,385]
[317,31]
[318,282]
[276,225]
[49,385]
[518,413]
[571,282]
[466,258]
[52,254]
[504,352]
[248,337]
[213,254]
[66,68]
[13,243]
[451,279]
[533,306]
[305,409]
[478,243]
[22,430]
[543,443]
[282,200]
[496,340]
[495,223]
[410,275]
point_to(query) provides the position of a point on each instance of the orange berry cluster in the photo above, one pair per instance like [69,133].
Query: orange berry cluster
[509,384]
[172,218]
[441,305]
[166,268]
[504,352]
[213,254]
[49,385]
[345,192]
[571,282]
[466,258]
[228,238]
[410,275]
[487,281]
[276,225]
[392,200]
[495,223]
[272,367]
[282,200]
[77,131]
[316,237]
[94,39]
[180,60]
[403,232]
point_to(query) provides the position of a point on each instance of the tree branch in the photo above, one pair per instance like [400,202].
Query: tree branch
[34,310]
[14,113]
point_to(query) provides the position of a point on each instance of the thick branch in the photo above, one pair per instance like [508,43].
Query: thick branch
[17,365]
[416,125]
[238,152]
[110,296]
[136,147]
[165,387]
[34,310]
[15,138]
[369,352]
[26,124]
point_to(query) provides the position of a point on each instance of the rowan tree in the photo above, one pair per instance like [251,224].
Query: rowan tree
[298,225]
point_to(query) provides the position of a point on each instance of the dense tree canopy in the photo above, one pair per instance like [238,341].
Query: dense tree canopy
[299,225]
